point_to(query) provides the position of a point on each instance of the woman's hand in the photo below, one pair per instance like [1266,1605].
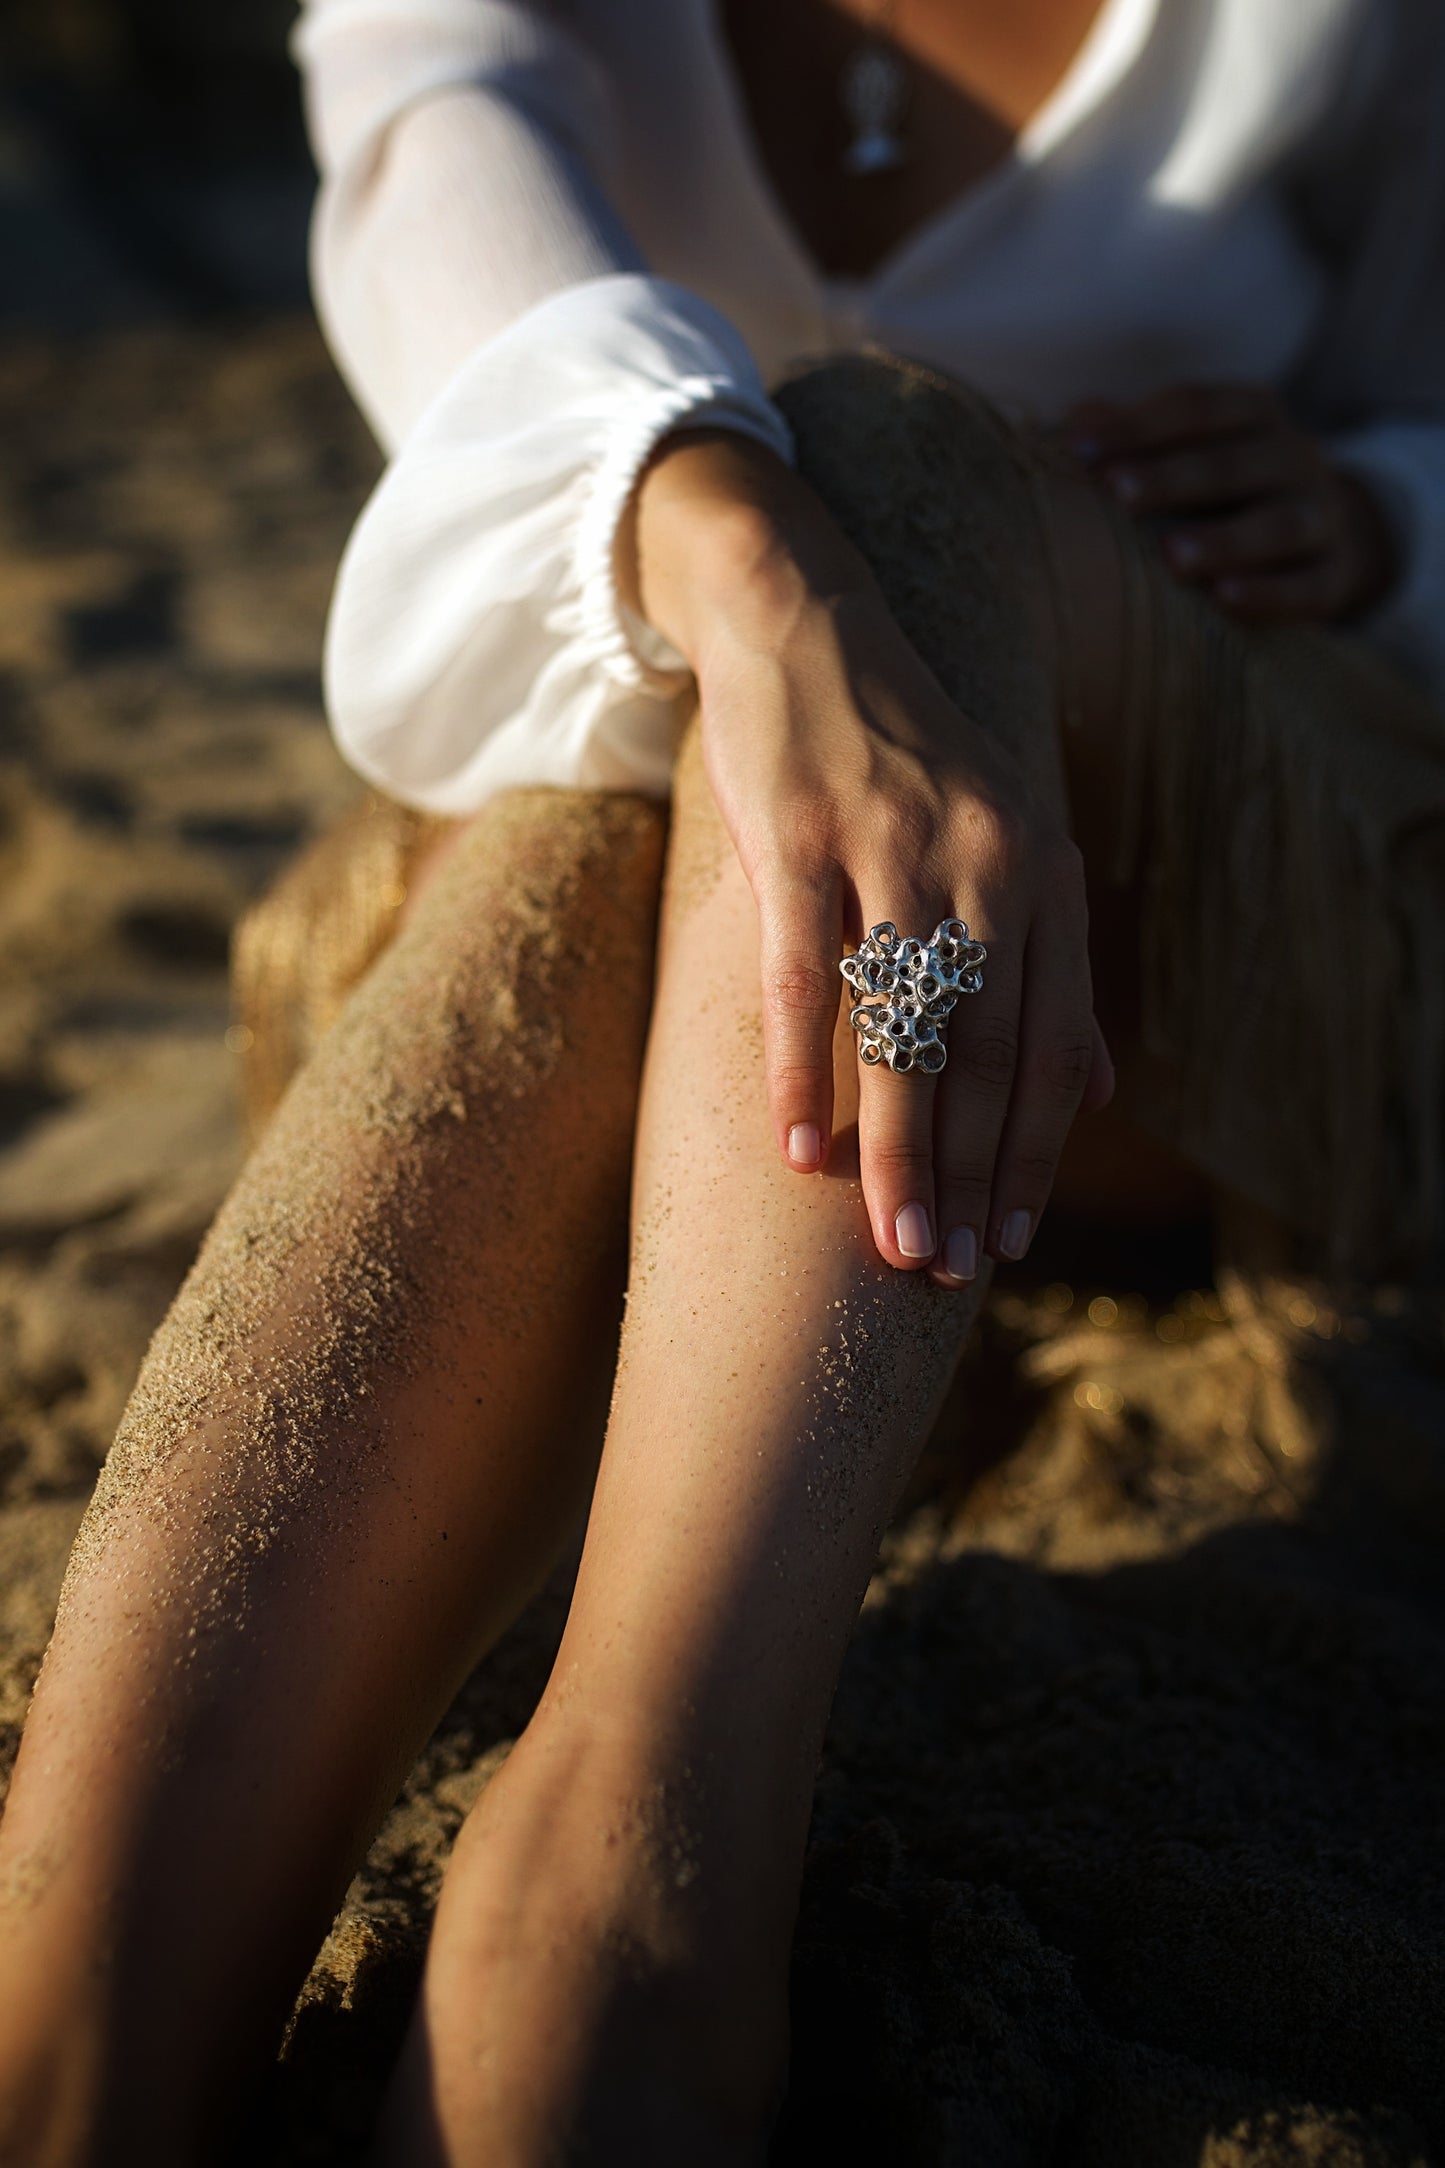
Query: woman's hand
[1247,504]
[854,792]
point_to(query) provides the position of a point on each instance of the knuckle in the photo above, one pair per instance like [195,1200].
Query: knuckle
[1066,1064]
[898,1162]
[906,830]
[989,1055]
[798,1085]
[995,837]
[1032,1168]
[799,989]
[799,833]
[966,1189]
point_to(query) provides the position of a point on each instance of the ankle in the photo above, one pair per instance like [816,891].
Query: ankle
[588,1841]
[708,1816]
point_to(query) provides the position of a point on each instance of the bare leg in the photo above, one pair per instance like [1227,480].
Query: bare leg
[356,1447]
[606,1976]
[611,1945]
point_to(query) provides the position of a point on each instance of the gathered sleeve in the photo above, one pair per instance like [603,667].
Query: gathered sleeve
[519,363]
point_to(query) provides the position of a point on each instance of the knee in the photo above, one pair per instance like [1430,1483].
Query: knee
[946,502]
[885,440]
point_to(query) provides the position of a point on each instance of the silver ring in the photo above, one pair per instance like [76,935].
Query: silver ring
[909,988]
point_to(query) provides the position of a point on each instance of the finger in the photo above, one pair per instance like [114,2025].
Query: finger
[1056,1059]
[800,925]
[973,1099]
[895,1144]
[1230,471]
[1307,593]
[1288,531]
[895,1154]
[1184,414]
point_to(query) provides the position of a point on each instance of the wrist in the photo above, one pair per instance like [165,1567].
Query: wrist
[722,538]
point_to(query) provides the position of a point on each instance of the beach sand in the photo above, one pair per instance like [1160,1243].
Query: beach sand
[1127,1847]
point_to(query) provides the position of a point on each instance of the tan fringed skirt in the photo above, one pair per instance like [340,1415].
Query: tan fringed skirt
[1278,821]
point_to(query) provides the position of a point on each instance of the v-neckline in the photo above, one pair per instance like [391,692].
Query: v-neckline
[1110,46]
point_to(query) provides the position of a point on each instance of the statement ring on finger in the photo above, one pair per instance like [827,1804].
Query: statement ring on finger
[908,990]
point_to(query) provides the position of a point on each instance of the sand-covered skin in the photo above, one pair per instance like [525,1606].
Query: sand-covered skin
[1127,1846]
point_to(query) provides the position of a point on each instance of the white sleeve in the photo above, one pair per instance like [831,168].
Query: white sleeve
[1403,462]
[476,638]
[464,148]
[499,330]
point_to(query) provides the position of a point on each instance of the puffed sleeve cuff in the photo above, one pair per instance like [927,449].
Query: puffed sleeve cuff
[476,639]
[1403,462]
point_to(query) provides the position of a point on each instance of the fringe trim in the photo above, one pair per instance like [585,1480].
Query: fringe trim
[303,945]
[1287,835]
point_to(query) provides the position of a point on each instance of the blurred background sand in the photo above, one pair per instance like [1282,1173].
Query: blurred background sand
[1127,1846]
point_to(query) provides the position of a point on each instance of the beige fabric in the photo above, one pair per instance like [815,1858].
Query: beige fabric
[1282,826]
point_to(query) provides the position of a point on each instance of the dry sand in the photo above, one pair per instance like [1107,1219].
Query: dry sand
[1127,1847]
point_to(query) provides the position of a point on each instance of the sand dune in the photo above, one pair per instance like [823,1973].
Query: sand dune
[1127,1846]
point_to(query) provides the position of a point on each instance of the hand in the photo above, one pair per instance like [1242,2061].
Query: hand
[1248,505]
[855,791]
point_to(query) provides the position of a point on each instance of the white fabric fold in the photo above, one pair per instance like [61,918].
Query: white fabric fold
[476,638]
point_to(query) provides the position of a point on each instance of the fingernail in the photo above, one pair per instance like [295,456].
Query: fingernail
[805,1145]
[914,1231]
[1126,485]
[1013,1236]
[960,1254]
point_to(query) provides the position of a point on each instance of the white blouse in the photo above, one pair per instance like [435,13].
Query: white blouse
[545,238]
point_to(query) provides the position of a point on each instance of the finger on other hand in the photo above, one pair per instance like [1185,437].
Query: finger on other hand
[1229,471]
[1288,531]
[1184,414]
